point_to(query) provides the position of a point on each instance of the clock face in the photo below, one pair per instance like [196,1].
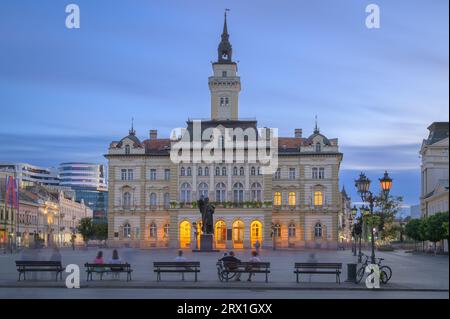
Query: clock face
[224,56]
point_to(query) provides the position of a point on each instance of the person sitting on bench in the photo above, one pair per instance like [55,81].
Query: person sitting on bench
[253,259]
[232,259]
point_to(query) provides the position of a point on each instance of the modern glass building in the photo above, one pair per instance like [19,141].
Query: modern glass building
[88,180]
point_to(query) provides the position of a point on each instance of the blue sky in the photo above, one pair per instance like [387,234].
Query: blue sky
[65,94]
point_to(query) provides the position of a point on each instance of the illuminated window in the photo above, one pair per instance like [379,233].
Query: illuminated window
[318,198]
[277,199]
[292,200]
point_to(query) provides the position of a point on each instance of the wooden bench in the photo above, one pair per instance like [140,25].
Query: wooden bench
[227,269]
[318,268]
[24,266]
[107,268]
[176,267]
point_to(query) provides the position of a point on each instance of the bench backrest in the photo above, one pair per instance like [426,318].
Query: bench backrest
[38,263]
[319,265]
[243,264]
[173,264]
[111,266]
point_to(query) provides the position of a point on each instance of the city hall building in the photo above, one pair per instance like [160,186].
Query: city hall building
[153,199]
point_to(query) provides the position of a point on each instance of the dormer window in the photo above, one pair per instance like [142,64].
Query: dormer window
[318,147]
[127,149]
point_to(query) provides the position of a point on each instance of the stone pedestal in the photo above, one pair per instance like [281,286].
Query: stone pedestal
[206,243]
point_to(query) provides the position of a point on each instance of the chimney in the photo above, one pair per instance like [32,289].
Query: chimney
[153,134]
[298,132]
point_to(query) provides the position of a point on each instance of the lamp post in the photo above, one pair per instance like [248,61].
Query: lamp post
[362,184]
[351,220]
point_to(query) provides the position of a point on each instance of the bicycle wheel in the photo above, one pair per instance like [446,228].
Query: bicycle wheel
[383,277]
[360,274]
[388,272]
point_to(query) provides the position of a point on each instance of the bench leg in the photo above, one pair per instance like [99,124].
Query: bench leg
[297,277]
[267,276]
[195,275]
[182,276]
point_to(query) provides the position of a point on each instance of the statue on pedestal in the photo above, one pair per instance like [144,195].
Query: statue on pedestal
[207,212]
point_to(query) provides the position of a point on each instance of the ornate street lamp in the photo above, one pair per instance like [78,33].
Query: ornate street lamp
[362,184]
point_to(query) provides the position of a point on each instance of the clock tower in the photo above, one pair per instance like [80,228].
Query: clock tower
[225,84]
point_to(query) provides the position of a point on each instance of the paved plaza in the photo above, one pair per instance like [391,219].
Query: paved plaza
[414,276]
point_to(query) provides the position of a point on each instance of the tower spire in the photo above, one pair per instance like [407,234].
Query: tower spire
[316,128]
[225,49]
[132,131]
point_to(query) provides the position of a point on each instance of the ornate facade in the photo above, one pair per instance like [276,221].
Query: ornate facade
[152,199]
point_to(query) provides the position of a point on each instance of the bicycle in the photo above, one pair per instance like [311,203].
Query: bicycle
[385,271]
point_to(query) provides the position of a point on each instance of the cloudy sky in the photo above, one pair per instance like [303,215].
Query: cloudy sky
[65,94]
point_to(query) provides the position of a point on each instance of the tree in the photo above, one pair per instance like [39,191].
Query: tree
[85,228]
[434,230]
[386,210]
[412,230]
[100,231]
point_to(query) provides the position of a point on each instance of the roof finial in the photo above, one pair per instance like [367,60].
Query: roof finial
[132,131]
[316,128]
[225,26]
[225,49]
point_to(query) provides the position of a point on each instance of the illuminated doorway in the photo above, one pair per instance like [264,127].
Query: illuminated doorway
[238,234]
[221,234]
[199,225]
[256,233]
[185,234]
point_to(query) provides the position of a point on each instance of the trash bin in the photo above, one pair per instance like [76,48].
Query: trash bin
[351,272]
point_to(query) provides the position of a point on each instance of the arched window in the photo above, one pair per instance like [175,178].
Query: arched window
[189,171]
[318,147]
[259,170]
[291,230]
[203,190]
[199,171]
[235,171]
[292,199]
[241,171]
[126,200]
[217,171]
[166,231]
[127,149]
[277,230]
[256,191]
[185,194]
[224,171]
[220,192]
[238,193]
[277,199]
[318,230]
[318,198]
[153,201]
[166,200]
[206,171]
[253,171]
[126,231]
[153,230]
[183,171]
